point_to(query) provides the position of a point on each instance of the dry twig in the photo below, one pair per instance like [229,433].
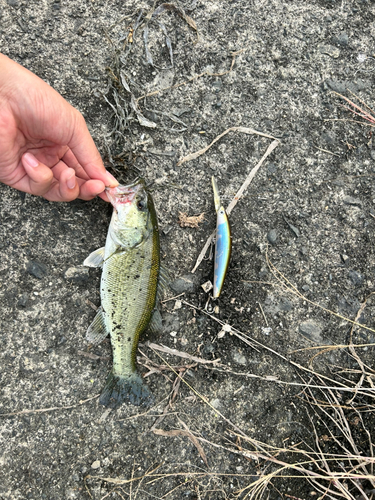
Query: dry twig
[181,354]
[244,130]
[240,192]
[188,434]
[46,410]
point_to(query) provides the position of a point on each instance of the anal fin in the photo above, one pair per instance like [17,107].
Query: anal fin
[97,331]
[155,325]
[163,284]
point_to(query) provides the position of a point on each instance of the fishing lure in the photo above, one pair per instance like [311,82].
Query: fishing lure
[223,245]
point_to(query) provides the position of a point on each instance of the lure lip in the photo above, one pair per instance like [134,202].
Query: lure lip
[216,194]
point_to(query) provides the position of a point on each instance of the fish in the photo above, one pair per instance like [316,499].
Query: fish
[223,243]
[130,262]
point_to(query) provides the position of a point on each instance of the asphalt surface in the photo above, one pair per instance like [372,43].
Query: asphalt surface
[272,66]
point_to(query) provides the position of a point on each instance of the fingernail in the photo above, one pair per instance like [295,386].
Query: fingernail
[71,182]
[30,160]
[111,179]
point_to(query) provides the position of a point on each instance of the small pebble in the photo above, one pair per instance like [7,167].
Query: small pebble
[344,258]
[71,493]
[329,138]
[207,286]
[342,86]
[22,301]
[209,349]
[356,278]
[336,85]
[285,305]
[77,274]
[187,283]
[238,357]
[177,305]
[215,403]
[36,269]
[342,39]
[171,323]
[96,464]
[349,200]
[272,168]
[311,330]
[272,236]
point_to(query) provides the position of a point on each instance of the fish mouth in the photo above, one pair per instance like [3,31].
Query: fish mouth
[125,194]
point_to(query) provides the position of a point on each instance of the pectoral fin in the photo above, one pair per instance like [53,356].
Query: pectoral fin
[97,331]
[95,259]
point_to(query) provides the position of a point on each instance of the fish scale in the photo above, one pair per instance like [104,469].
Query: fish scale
[128,302]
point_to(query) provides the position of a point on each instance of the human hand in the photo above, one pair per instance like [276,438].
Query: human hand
[45,146]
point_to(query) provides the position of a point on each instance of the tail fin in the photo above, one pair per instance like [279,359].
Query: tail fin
[131,389]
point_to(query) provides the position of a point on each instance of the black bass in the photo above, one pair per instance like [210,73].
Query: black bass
[130,264]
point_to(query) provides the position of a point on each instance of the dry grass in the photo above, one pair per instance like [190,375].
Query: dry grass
[335,462]
[364,111]
[338,463]
[344,472]
[193,221]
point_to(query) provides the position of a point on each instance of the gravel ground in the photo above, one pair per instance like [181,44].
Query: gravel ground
[268,65]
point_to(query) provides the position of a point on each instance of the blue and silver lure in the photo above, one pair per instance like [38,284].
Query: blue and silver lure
[223,244]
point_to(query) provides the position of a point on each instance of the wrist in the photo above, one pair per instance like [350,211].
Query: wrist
[7,70]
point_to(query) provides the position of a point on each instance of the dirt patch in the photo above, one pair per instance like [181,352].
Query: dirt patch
[302,261]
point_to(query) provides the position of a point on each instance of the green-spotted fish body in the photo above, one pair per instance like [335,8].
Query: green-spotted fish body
[130,261]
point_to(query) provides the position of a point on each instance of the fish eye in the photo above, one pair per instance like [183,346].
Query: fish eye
[141,204]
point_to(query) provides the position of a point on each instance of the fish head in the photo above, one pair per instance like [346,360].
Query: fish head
[130,222]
